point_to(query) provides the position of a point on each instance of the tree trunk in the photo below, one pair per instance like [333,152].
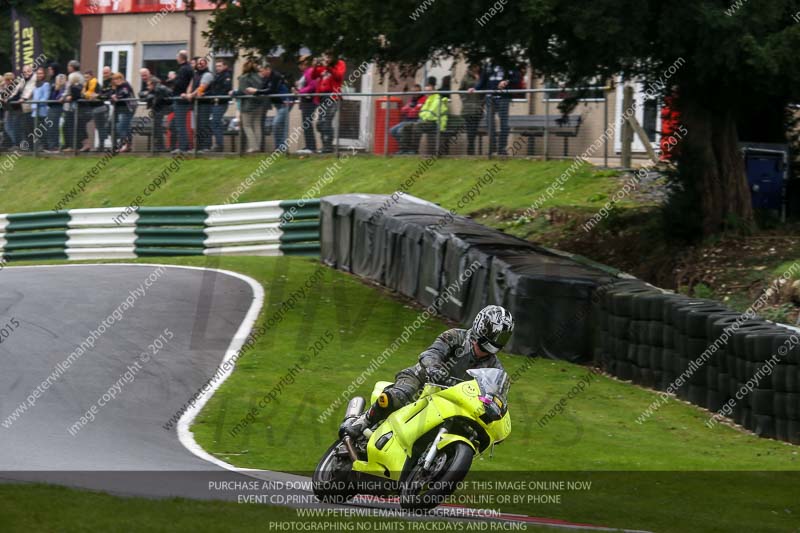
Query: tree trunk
[710,159]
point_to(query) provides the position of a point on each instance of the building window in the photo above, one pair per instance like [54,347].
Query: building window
[159,58]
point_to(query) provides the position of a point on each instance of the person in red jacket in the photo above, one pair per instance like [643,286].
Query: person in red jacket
[330,75]
[409,114]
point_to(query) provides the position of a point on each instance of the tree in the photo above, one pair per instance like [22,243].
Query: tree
[727,59]
[58,27]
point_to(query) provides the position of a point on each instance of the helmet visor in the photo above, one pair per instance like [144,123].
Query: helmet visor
[494,345]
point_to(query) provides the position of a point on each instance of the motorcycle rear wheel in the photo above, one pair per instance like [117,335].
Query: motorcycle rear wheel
[422,491]
[331,481]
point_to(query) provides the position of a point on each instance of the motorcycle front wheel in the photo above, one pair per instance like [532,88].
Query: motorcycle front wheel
[331,481]
[423,490]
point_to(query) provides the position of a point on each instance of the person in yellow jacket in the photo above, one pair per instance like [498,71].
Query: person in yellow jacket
[432,115]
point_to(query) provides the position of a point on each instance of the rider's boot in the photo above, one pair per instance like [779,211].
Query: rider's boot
[354,427]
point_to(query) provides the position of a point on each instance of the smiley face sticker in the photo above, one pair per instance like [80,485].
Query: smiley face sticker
[470,389]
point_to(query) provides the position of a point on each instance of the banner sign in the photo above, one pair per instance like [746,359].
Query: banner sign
[26,47]
[106,7]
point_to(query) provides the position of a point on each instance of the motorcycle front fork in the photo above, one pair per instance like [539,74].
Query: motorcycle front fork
[431,455]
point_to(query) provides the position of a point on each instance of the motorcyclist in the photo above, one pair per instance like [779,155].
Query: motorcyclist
[450,356]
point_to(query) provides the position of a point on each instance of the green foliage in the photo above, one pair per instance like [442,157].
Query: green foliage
[753,50]
[701,290]
[718,52]
[58,27]
[781,313]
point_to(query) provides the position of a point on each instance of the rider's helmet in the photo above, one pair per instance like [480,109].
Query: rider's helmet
[492,328]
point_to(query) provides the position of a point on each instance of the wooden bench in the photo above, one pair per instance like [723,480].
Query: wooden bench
[532,126]
[141,126]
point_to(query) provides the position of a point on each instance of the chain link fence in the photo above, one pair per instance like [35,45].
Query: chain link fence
[515,123]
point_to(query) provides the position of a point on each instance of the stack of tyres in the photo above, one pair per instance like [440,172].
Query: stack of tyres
[553,295]
[717,380]
[691,322]
[669,354]
[742,367]
[674,314]
[336,227]
[644,344]
[786,386]
[614,312]
[759,347]
[601,335]
[654,368]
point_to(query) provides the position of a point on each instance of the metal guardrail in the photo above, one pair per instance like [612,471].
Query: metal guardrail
[516,122]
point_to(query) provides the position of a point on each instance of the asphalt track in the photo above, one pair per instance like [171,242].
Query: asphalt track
[126,449]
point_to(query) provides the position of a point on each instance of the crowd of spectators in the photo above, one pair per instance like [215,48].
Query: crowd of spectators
[78,99]
[53,110]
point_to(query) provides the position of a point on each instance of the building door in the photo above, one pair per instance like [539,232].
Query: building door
[648,114]
[355,118]
[117,56]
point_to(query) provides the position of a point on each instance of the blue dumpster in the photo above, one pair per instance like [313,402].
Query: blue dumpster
[767,172]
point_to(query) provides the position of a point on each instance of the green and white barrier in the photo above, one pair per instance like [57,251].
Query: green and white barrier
[286,227]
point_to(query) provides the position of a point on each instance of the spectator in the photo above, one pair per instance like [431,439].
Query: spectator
[272,83]
[200,82]
[57,94]
[11,110]
[26,95]
[39,110]
[409,114]
[307,84]
[170,81]
[103,122]
[53,70]
[144,76]
[92,104]
[433,113]
[330,74]
[159,104]
[73,122]
[4,86]
[280,124]
[124,107]
[220,87]
[498,79]
[251,109]
[183,78]
[73,66]
[471,105]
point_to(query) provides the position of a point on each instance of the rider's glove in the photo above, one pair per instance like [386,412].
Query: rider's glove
[437,373]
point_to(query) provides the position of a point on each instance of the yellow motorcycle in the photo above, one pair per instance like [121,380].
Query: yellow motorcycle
[422,451]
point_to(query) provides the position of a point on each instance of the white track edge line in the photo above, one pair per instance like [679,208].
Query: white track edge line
[185,436]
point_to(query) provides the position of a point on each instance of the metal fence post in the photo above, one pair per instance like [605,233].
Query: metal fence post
[438,124]
[605,122]
[490,124]
[112,113]
[196,126]
[336,126]
[75,129]
[238,100]
[386,108]
[153,115]
[546,134]
[35,131]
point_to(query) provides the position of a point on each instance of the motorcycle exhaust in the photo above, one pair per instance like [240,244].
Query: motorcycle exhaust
[354,408]
[351,451]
